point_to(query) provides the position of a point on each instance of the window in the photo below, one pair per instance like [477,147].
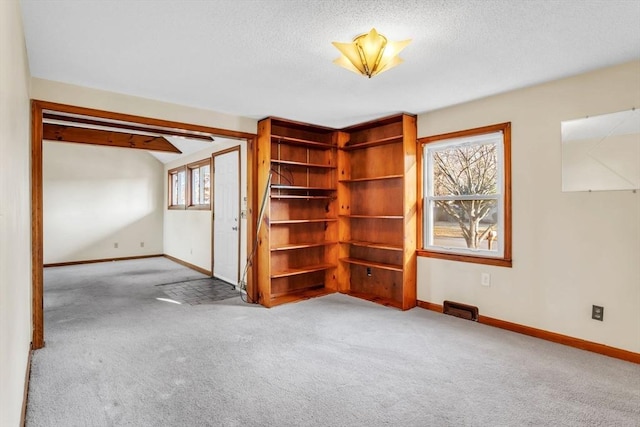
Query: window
[190,186]
[177,188]
[466,195]
[200,184]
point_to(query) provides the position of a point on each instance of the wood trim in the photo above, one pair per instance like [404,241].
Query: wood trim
[37,107]
[170,174]
[429,306]
[109,138]
[25,397]
[410,260]
[170,124]
[500,262]
[189,265]
[252,207]
[381,121]
[506,259]
[37,230]
[129,127]
[507,193]
[467,132]
[93,261]
[581,344]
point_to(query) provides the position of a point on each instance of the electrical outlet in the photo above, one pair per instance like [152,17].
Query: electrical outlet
[142,244]
[597,312]
[485,279]
[115,245]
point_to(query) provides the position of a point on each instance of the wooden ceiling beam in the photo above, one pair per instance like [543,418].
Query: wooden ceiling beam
[62,133]
[127,126]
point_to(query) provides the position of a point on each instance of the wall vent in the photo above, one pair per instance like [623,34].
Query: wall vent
[458,309]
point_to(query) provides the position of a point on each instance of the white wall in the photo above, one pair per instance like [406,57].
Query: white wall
[570,250]
[64,93]
[187,233]
[95,197]
[15,214]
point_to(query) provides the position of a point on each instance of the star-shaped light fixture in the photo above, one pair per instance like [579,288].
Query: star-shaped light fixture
[370,54]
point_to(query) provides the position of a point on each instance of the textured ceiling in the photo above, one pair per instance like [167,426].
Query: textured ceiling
[261,58]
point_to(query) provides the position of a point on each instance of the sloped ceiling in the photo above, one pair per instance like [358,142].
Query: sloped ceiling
[262,58]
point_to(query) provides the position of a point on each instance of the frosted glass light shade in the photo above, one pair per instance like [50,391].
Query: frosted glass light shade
[370,54]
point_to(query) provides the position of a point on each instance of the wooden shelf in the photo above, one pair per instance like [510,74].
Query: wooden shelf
[373,143]
[375,298]
[292,246]
[375,178]
[301,270]
[295,196]
[299,294]
[301,221]
[373,216]
[374,245]
[299,188]
[366,263]
[300,141]
[303,164]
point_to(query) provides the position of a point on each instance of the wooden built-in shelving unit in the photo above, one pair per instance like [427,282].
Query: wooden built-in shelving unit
[377,208]
[297,242]
[340,211]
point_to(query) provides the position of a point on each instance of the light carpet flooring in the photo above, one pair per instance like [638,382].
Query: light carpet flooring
[115,355]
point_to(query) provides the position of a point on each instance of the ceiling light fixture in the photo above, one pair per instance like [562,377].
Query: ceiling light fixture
[370,54]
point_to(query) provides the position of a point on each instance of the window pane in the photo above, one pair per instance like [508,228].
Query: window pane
[205,172]
[195,186]
[465,170]
[469,224]
[181,188]
[174,189]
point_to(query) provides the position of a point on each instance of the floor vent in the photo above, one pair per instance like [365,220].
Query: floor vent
[463,311]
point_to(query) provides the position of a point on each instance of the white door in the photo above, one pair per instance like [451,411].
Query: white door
[226,216]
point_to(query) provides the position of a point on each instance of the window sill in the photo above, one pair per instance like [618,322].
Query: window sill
[500,262]
[176,207]
[199,207]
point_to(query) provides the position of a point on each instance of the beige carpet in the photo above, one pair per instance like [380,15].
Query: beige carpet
[115,355]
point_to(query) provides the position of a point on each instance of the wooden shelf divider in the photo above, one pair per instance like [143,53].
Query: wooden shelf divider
[374,178]
[366,263]
[373,216]
[293,246]
[299,188]
[301,270]
[374,245]
[301,197]
[373,143]
[303,164]
[301,221]
[300,141]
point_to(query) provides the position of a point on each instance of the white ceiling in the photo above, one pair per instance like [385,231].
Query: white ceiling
[262,58]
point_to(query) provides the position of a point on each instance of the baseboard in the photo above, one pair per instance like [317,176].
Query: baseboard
[188,264]
[25,397]
[617,353]
[91,261]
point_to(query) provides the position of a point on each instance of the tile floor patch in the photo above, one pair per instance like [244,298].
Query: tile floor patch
[199,291]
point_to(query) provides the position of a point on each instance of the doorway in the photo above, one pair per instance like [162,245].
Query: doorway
[226,215]
[139,123]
